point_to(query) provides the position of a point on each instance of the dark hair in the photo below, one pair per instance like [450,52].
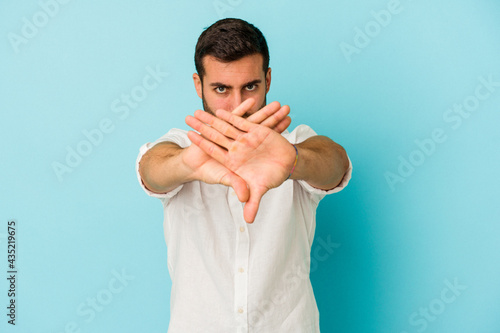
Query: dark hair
[229,40]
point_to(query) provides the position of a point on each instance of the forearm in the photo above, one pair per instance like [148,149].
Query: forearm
[322,163]
[162,168]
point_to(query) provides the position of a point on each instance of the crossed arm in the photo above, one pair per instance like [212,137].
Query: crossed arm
[249,155]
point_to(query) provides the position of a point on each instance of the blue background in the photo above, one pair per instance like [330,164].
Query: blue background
[399,244]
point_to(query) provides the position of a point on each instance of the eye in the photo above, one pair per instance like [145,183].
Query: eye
[251,87]
[220,90]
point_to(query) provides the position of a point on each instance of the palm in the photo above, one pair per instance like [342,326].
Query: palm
[210,171]
[206,168]
[257,154]
[257,157]
[262,158]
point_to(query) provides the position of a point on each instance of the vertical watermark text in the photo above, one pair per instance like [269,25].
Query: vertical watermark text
[12,271]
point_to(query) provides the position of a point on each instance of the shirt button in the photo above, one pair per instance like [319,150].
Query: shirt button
[242,229]
[240,310]
[241,270]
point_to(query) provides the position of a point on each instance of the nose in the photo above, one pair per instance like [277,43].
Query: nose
[237,99]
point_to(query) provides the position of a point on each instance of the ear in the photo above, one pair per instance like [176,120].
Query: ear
[197,84]
[268,79]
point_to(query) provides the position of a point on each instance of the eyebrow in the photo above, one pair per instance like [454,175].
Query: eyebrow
[219,84]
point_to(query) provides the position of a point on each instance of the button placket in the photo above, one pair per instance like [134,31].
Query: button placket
[241,264]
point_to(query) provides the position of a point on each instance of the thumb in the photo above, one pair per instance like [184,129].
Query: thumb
[238,184]
[252,205]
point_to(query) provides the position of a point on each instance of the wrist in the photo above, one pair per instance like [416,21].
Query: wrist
[294,163]
[187,171]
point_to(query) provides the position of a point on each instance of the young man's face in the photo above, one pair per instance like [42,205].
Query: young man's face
[227,85]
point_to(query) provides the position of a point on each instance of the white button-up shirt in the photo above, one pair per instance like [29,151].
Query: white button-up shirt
[232,277]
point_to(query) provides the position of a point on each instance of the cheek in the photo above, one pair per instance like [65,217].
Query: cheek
[216,102]
[219,103]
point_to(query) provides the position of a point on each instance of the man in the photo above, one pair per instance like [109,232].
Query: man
[240,197]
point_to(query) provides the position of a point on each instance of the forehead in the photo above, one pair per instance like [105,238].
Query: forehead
[242,70]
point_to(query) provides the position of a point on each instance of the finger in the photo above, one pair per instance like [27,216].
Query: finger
[210,148]
[252,205]
[220,125]
[208,132]
[236,121]
[238,184]
[244,107]
[261,115]
[283,125]
[274,120]
[250,211]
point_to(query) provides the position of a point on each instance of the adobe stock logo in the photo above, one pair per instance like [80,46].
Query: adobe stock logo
[121,107]
[31,27]
[99,301]
[223,6]
[454,116]
[425,315]
[364,36]
[292,280]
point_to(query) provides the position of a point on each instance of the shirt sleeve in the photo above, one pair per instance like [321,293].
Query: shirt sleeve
[300,134]
[176,136]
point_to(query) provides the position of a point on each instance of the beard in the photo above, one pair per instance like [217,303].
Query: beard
[212,112]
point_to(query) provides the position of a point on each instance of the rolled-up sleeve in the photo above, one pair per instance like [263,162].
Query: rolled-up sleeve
[176,136]
[300,134]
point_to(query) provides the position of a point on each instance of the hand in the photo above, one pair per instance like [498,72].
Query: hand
[210,171]
[206,169]
[254,152]
[267,116]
